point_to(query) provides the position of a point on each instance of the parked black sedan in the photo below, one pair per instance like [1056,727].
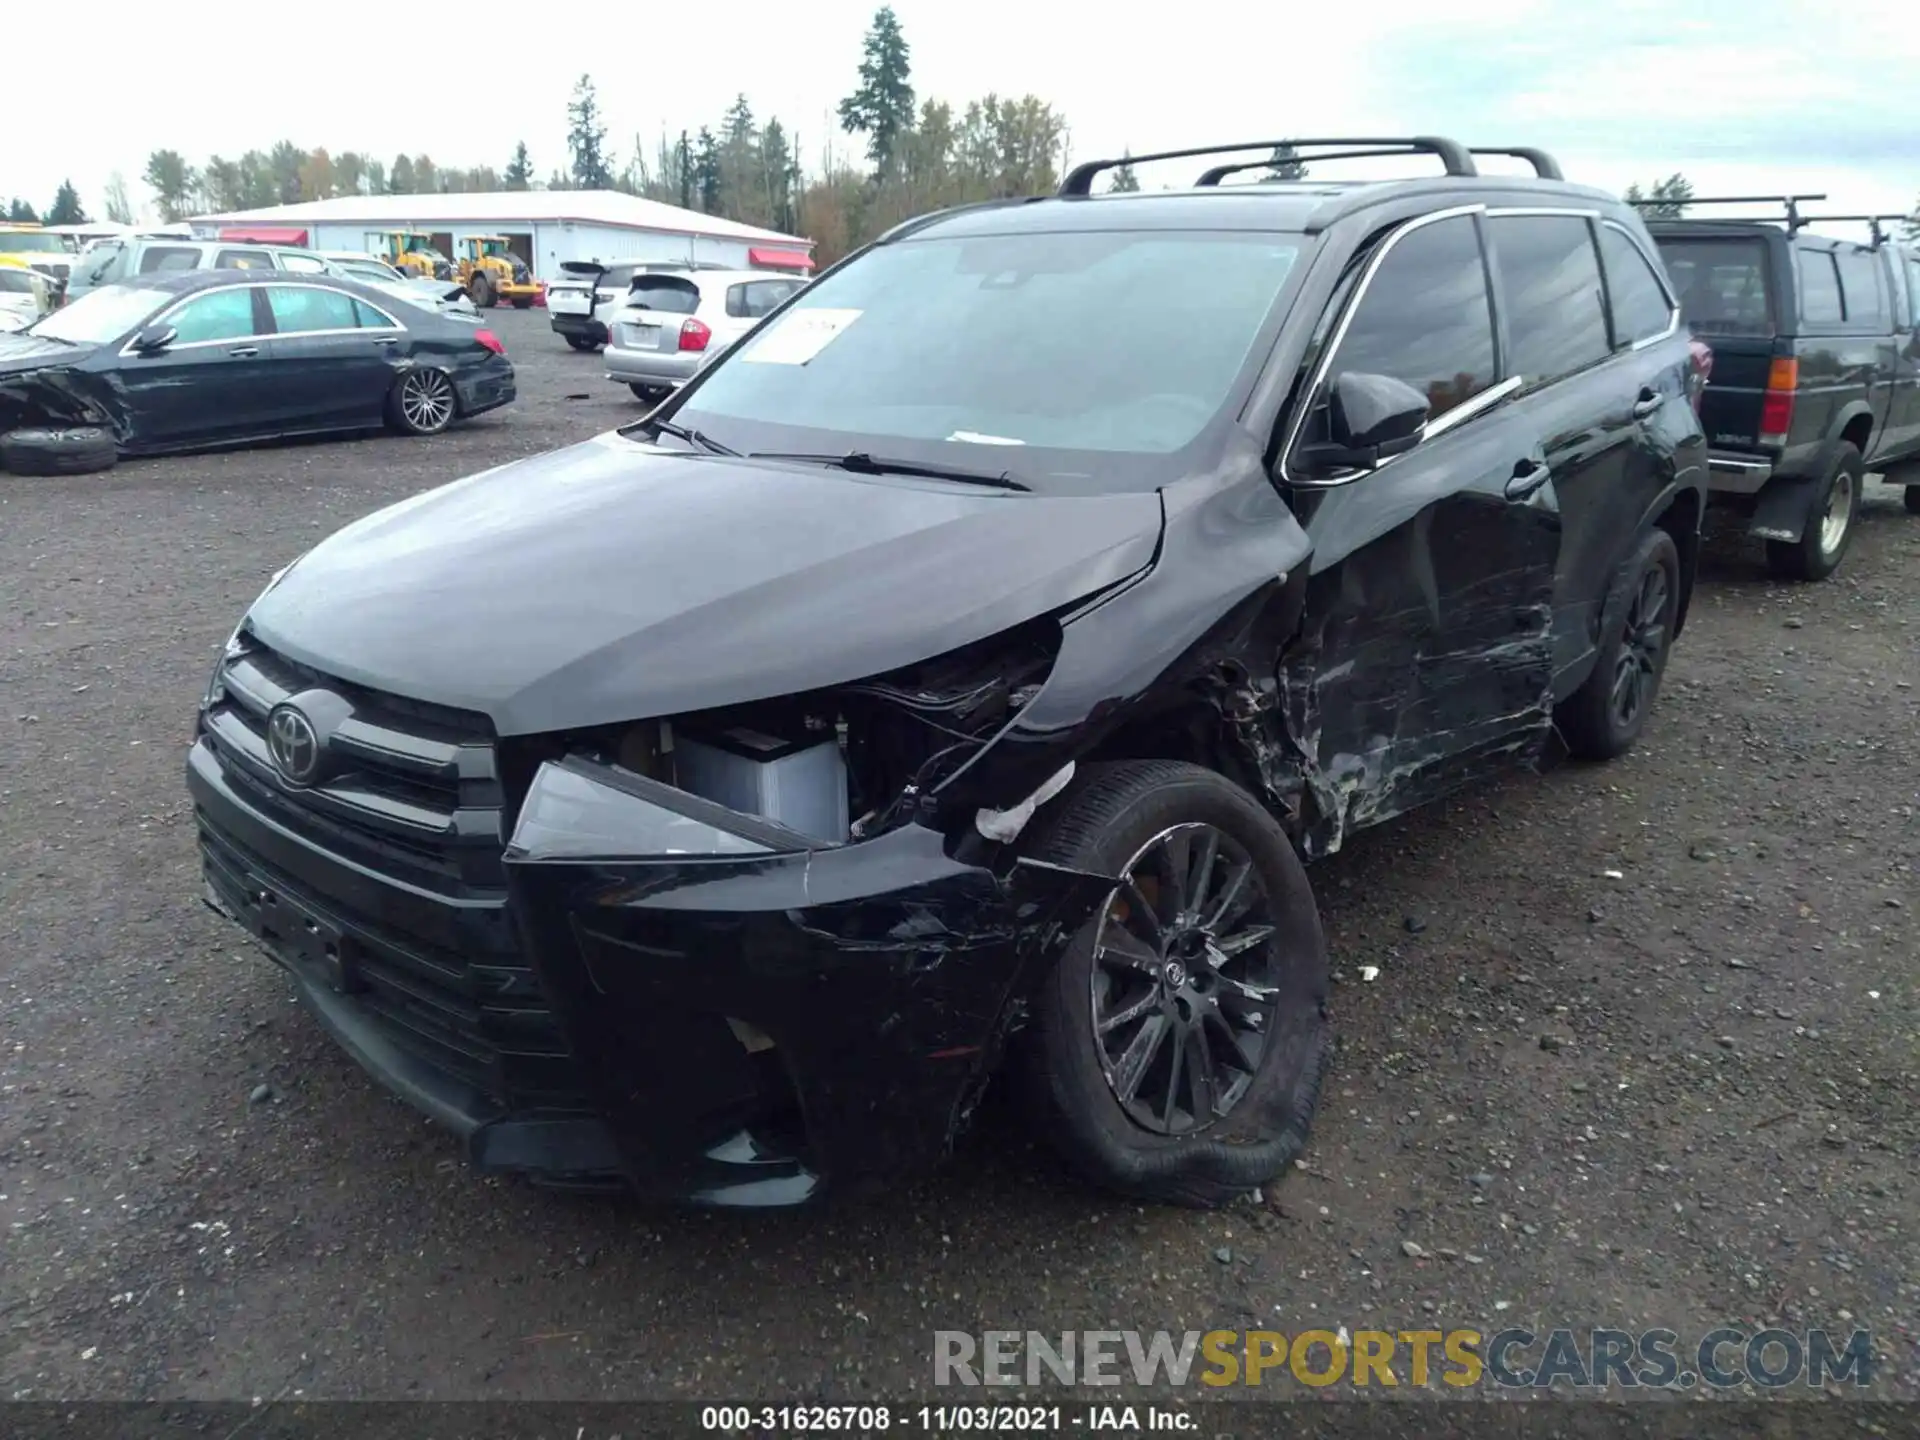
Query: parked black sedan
[211,358]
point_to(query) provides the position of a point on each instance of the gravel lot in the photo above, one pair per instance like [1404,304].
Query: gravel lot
[1642,1049]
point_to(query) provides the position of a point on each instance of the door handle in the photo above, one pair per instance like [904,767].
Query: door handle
[1648,402]
[245,352]
[386,339]
[1528,476]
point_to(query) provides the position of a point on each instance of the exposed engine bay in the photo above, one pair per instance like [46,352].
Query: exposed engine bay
[848,762]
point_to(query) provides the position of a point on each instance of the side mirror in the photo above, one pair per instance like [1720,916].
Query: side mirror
[1371,418]
[154,339]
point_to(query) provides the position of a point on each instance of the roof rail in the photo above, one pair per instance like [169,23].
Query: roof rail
[1220,172]
[1544,165]
[1790,205]
[1453,155]
[1875,223]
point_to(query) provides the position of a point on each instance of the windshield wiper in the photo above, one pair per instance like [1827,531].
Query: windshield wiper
[689,435]
[862,463]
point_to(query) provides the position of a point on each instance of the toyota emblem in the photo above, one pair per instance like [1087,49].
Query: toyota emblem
[292,744]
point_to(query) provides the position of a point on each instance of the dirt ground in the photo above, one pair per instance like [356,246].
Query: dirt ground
[1642,1049]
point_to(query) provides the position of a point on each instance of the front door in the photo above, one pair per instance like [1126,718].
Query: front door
[1426,651]
[333,357]
[210,385]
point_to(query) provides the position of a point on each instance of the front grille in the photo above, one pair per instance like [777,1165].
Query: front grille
[412,793]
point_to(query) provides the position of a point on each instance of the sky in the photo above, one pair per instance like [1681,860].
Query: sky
[1742,96]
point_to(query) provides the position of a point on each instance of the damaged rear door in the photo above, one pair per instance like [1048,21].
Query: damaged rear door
[1426,652]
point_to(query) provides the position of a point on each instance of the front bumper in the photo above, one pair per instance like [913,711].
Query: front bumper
[749,1023]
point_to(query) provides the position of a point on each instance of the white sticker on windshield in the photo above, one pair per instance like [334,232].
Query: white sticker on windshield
[974,437]
[799,336]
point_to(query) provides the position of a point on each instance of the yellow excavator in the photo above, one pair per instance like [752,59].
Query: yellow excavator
[492,273]
[412,253]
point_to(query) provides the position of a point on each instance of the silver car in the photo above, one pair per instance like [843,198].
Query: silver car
[673,322]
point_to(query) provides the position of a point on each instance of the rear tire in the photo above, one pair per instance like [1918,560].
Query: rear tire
[1829,525]
[581,342]
[422,402]
[78,450]
[651,394]
[1245,995]
[1602,719]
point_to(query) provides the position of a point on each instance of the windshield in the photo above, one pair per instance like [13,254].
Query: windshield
[31,242]
[16,281]
[1722,284]
[100,315]
[1006,350]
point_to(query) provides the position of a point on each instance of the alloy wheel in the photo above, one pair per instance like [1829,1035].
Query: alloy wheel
[426,399]
[1642,644]
[1186,979]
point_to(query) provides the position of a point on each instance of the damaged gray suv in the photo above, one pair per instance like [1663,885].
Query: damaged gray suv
[952,680]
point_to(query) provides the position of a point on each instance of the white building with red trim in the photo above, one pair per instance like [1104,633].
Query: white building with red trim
[545,227]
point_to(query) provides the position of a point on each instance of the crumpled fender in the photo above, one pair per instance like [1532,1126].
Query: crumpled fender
[60,396]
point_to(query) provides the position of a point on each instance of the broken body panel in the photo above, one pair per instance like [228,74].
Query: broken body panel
[759,1012]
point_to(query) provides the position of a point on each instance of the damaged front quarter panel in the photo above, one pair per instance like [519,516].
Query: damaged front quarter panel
[57,396]
[757,1010]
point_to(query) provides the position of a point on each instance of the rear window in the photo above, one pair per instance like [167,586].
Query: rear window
[617,277]
[1722,284]
[661,292]
[16,281]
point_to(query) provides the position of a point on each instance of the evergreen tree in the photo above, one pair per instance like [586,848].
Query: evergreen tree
[1284,164]
[706,171]
[22,212]
[587,139]
[881,106]
[1124,180]
[683,168]
[172,182]
[520,169]
[67,209]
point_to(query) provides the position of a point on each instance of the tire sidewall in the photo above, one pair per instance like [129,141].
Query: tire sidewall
[1819,562]
[1265,1129]
[1655,548]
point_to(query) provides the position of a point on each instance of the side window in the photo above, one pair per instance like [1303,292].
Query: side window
[1819,289]
[1861,289]
[1425,317]
[302,309]
[1550,280]
[617,279]
[737,302]
[302,264]
[243,260]
[1913,288]
[1902,301]
[372,319]
[169,257]
[217,315]
[1635,296]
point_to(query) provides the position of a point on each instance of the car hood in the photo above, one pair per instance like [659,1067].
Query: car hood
[21,353]
[612,581]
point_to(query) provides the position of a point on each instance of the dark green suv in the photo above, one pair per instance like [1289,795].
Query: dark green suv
[1816,372]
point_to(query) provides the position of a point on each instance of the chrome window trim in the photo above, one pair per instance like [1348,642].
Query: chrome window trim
[128,351]
[1439,424]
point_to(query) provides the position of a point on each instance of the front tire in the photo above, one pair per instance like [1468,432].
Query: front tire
[422,402]
[1602,719]
[480,288]
[581,342]
[1181,1040]
[75,450]
[1829,525]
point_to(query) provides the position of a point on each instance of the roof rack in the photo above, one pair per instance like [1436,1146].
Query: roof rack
[1874,224]
[1544,165]
[1453,155]
[1790,206]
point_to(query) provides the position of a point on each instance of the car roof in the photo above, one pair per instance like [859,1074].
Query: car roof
[1299,206]
[185,282]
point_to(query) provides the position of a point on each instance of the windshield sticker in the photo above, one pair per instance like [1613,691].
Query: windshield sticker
[800,336]
[974,437]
